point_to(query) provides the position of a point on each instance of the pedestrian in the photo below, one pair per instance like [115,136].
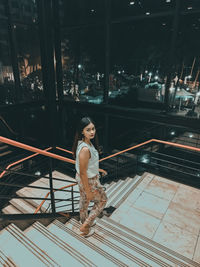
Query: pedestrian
[86,152]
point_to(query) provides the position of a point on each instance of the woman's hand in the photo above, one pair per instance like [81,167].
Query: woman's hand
[90,195]
[103,172]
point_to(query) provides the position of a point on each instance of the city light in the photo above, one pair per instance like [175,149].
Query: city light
[191,135]
[132,3]
[172,132]
[147,13]
[145,159]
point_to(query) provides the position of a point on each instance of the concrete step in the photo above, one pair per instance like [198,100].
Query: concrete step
[105,244]
[119,193]
[62,252]
[138,254]
[118,187]
[6,261]
[32,192]
[21,250]
[22,205]
[10,209]
[3,147]
[111,187]
[119,199]
[97,256]
[35,202]
[5,153]
[152,250]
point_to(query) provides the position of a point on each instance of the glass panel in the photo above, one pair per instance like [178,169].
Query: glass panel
[185,94]
[75,12]
[139,58]
[23,11]
[190,5]
[122,8]
[28,52]
[83,64]
[7,89]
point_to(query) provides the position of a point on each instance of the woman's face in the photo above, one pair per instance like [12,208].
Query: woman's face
[89,131]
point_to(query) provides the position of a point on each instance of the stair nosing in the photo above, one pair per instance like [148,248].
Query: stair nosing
[122,193]
[59,242]
[102,252]
[116,248]
[146,239]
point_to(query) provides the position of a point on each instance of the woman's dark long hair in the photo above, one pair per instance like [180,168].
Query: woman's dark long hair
[85,121]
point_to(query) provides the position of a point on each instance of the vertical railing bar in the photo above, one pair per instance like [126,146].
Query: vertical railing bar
[51,187]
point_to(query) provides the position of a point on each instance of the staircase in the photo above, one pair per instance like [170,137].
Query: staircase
[117,192]
[58,243]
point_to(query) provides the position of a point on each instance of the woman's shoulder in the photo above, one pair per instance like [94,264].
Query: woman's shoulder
[82,145]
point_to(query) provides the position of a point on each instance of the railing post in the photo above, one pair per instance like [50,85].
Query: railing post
[51,187]
[117,167]
[72,197]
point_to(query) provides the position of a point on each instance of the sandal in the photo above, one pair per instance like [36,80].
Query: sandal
[91,232]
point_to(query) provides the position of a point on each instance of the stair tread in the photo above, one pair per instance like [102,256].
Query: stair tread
[5,153]
[22,205]
[10,209]
[61,251]
[6,261]
[116,190]
[120,198]
[79,243]
[102,242]
[14,244]
[136,238]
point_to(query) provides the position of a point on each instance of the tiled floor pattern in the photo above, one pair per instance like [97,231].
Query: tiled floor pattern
[166,212]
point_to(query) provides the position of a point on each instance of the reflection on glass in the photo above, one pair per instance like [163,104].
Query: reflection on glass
[190,5]
[124,8]
[28,52]
[139,56]
[184,91]
[75,12]
[83,65]
[7,89]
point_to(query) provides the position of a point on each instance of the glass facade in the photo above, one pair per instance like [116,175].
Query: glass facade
[139,54]
[135,54]
[7,90]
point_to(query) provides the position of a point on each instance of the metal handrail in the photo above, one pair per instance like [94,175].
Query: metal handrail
[34,149]
[19,161]
[149,141]
[65,150]
[52,155]
[39,207]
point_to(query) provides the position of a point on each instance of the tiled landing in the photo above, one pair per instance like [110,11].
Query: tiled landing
[166,212]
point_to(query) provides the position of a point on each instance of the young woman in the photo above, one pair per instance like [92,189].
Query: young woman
[86,153]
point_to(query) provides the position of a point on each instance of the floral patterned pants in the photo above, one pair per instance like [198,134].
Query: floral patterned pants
[100,200]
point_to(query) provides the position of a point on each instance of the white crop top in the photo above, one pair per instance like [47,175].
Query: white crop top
[93,164]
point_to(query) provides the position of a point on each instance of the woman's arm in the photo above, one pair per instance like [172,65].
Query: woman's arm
[103,172]
[84,157]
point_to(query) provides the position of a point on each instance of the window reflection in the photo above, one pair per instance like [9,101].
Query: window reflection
[83,65]
[139,55]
